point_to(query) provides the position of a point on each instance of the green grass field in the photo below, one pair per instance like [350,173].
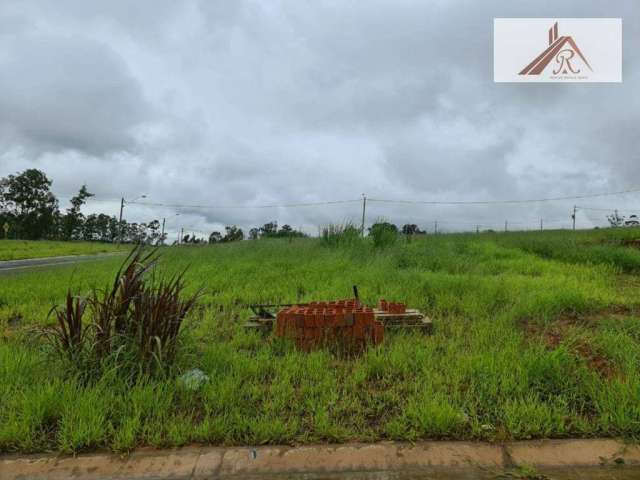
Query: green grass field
[536,335]
[22,249]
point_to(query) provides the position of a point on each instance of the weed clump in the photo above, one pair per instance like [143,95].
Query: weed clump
[134,324]
[341,235]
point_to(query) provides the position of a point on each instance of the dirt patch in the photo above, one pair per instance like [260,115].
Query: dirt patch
[562,328]
[14,320]
[551,335]
[632,242]
[596,361]
[590,319]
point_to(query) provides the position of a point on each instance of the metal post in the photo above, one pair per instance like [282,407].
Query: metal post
[120,221]
[364,209]
[573,217]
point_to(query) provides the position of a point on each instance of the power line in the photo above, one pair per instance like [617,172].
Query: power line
[285,205]
[610,210]
[497,202]
[377,200]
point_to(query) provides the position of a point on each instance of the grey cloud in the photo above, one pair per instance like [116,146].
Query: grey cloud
[250,102]
[68,93]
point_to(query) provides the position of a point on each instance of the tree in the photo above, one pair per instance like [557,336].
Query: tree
[233,234]
[254,233]
[5,215]
[29,205]
[411,229]
[215,237]
[100,227]
[287,232]
[269,229]
[153,232]
[615,220]
[73,220]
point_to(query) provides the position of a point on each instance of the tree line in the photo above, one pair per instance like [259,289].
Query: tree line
[29,210]
[234,233]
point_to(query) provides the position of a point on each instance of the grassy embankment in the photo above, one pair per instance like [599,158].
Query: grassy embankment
[22,249]
[536,335]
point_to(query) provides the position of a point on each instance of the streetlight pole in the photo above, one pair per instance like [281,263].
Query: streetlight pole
[122,202]
[163,222]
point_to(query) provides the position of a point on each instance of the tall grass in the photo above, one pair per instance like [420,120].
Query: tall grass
[597,247]
[341,235]
[525,346]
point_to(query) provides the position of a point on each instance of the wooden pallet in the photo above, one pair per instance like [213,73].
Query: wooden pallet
[258,324]
[411,320]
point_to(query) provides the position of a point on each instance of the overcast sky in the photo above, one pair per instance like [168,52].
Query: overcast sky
[270,102]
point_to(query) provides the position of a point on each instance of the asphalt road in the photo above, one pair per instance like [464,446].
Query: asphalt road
[16,266]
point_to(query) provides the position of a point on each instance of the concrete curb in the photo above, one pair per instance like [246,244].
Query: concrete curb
[243,462]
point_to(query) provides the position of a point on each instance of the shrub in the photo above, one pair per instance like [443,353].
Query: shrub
[135,322]
[384,234]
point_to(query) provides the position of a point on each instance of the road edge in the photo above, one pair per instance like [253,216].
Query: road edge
[219,462]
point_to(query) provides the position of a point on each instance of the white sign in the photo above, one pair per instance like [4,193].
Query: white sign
[557,50]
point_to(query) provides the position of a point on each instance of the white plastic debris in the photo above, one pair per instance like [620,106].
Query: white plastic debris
[193,379]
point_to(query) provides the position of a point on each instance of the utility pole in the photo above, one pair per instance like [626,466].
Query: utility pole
[573,217]
[506,228]
[435,227]
[477,228]
[120,221]
[122,202]
[364,209]
[162,235]
[540,224]
[181,235]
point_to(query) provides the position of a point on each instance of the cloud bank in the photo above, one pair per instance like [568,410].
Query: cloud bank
[247,102]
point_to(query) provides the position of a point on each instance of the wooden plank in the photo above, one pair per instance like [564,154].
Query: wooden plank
[426,327]
[261,327]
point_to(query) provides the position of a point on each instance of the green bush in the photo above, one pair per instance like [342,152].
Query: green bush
[384,234]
